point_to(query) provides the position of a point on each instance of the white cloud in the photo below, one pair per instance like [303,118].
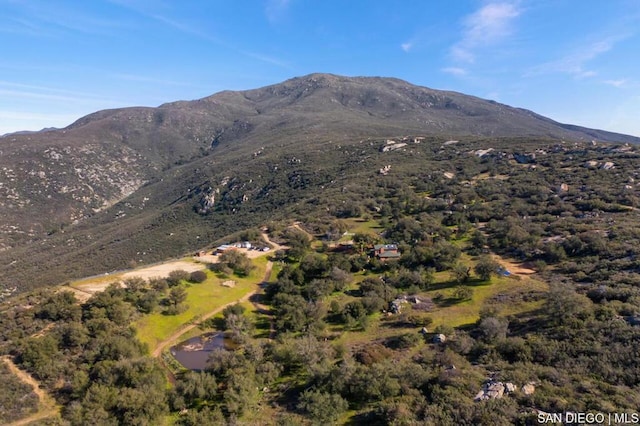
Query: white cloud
[489,25]
[575,64]
[406,46]
[455,71]
[616,83]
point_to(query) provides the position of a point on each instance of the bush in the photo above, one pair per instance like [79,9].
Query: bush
[323,408]
[485,268]
[175,277]
[463,293]
[238,262]
[197,277]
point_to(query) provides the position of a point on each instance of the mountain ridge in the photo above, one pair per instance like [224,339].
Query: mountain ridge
[226,101]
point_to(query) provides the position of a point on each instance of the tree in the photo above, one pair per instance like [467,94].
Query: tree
[461,273]
[445,255]
[205,417]
[235,309]
[197,387]
[314,265]
[478,241]
[73,335]
[493,329]
[175,277]
[298,243]
[134,284]
[240,327]
[177,295]
[237,261]
[241,394]
[323,408]
[364,241]
[159,284]
[353,311]
[60,306]
[340,278]
[148,302]
[485,267]
[463,293]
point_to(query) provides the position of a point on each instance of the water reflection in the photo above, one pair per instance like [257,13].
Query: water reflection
[194,353]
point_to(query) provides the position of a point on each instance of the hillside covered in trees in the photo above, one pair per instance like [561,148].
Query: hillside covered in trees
[513,290]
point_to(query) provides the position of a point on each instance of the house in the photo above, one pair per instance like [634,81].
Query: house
[223,248]
[386,251]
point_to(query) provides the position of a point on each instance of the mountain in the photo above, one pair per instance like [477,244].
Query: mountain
[134,185]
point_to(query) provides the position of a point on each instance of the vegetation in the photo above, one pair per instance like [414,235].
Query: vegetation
[529,281]
[18,399]
[200,299]
[198,171]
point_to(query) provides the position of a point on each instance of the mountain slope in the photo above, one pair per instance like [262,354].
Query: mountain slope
[134,185]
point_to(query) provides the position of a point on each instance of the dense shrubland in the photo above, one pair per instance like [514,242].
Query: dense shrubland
[337,354]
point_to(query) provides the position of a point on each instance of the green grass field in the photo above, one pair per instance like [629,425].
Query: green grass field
[202,299]
[468,311]
[362,226]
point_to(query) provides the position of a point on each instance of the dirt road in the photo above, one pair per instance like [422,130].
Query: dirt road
[175,336]
[47,406]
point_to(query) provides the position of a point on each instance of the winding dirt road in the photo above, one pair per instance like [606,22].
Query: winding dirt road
[47,407]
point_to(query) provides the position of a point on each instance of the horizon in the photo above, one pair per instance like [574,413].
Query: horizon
[573,62]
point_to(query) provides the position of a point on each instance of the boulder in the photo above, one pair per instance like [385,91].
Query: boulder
[607,166]
[439,338]
[528,389]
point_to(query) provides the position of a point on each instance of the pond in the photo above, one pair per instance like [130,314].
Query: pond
[194,353]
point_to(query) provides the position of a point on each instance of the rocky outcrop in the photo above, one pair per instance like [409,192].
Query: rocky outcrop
[524,158]
[494,390]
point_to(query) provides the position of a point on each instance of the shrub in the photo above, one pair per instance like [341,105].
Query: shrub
[323,408]
[175,277]
[197,277]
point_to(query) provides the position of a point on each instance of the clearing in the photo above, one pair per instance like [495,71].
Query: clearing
[512,266]
[203,300]
[86,287]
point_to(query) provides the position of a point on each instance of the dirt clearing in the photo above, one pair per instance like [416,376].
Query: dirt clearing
[84,290]
[517,268]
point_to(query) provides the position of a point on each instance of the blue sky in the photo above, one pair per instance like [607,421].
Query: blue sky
[576,61]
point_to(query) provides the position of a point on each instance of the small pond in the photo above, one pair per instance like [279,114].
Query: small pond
[194,353]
